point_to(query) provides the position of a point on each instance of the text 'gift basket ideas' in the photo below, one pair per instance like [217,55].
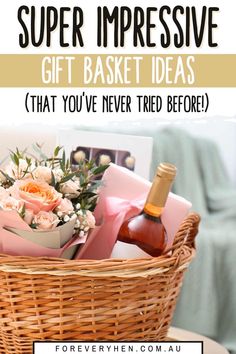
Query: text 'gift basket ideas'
[88,252]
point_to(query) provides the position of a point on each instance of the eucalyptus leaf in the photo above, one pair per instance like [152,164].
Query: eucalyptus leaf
[100,169]
[68,177]
[37,148]
[57,150]
[10,179]
[15,159]
[53,180]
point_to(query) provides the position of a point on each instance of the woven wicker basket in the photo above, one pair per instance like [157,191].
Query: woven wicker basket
[55,299]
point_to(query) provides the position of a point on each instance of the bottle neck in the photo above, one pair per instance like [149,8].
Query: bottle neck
[152,210]
[157,196]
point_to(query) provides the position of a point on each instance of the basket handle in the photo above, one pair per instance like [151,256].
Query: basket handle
[186,234]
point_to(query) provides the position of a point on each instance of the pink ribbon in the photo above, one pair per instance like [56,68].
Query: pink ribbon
[115,205]
[101,240]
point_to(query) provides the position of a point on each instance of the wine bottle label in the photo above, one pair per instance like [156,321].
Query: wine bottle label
[127,251]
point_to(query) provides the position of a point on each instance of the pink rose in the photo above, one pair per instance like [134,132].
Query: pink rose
[36,195]
[46,220]
[65,207]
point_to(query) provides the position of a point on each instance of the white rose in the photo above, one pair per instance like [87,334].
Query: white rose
[43,173]
[58,174]
[87,219]
[71,188]
[4,194]
[65,207]
[11,203]
[46,220]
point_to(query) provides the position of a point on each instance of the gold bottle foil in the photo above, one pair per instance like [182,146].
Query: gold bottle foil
[161,185]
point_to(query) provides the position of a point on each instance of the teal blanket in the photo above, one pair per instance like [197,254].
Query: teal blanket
[207,304]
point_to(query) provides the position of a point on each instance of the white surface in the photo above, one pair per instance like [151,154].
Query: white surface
[116,347]
[222,101]
[209,346]
[223,34]
[24,137]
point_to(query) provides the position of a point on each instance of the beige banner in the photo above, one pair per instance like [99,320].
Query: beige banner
[118,70]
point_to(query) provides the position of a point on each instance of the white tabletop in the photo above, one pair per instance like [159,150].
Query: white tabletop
[210,347]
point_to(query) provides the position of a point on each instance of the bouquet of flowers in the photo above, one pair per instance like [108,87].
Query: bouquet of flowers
[49,192]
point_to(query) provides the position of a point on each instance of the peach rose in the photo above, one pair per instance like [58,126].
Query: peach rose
[65,207]
[36,195]
[46,220]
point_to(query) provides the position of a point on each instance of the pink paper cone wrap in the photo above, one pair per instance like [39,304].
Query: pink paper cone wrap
[15,245]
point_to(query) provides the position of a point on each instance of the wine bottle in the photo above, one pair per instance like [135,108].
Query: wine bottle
[146,229]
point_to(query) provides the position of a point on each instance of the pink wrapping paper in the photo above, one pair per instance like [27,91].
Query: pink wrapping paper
[122,196]
[17,246]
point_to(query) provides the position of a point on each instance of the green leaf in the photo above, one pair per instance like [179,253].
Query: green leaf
[90,164]
[63,162]
[22,212]
[68,177]
[18,153]
[100,169]
[67,164]
[88,194]
[53,181]
[82,180]
[28,160]
[37,148]
[33,226]
[10,179]
[15,159]
[57,150]
[64,157]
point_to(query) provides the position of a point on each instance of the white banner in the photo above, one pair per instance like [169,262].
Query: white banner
[118,347]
